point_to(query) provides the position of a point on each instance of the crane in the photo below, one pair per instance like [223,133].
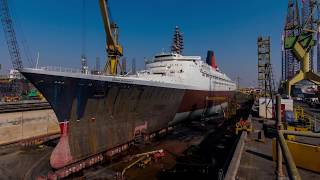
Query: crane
[301,45]
[10,35]
[114,49]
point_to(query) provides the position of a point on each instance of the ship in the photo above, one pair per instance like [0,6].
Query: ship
[105,113]
[100,112]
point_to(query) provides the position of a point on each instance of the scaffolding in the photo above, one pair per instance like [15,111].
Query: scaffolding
[263,61]
[265,77]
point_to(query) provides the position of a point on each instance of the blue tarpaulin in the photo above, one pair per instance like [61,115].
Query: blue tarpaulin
[289,117]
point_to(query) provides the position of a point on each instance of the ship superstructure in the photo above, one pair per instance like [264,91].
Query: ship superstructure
[190,71]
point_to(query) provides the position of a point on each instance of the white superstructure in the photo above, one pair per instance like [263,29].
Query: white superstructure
[190,71]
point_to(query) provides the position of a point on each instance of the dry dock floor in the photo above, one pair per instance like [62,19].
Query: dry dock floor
[174,145]
[24,163]
[256,162]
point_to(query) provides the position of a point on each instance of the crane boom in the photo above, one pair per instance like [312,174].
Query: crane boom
[301,46]
[10,35]
[113,47]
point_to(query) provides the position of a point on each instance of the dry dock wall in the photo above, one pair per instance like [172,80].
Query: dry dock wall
[17,126]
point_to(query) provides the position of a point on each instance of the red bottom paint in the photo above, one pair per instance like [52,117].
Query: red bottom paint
[61,154]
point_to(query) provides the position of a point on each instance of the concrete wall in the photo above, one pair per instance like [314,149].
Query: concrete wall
[22,125]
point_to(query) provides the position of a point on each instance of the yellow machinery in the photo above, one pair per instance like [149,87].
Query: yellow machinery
[243,126]
[300,115]
[306,156]
[145,162]
[143,159]
[132,164]
[114,49]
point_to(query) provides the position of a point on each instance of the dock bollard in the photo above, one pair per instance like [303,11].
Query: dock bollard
[261,137]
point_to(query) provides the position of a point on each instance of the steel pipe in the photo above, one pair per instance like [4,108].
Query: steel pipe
[301,133]
[278,128]
[235,162]
[291,167]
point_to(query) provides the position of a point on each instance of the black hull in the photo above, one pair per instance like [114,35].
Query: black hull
[97,115]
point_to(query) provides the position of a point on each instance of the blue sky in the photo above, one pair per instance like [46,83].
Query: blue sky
[230,28]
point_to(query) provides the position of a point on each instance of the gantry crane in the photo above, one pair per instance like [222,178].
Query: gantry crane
[114,49]
[10,35]
[301,46]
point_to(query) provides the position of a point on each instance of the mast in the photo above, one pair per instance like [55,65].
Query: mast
[177,42]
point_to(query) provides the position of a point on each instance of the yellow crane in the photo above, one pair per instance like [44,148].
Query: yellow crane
[113,47]
[301,46]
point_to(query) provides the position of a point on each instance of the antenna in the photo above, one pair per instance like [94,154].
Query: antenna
[37,60]
[134,66]
[238,82]
[124,66]
[84,64]
[98,64]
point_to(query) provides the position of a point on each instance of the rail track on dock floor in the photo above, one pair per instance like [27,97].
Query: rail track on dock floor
[23,106]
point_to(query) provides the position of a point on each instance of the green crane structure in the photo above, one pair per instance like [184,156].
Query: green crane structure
[301,46]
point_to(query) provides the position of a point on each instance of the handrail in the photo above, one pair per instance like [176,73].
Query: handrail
[60,69]
[235,162]
[291,166]
[301,133]
[285,152]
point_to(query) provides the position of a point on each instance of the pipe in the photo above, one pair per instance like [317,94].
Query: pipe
[292,169]
[301,133]
[278,127]
[235,162]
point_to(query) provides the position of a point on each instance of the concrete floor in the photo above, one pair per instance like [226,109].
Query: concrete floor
[256,161]
[24,163]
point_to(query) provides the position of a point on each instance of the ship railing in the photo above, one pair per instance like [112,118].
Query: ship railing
[61,69]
